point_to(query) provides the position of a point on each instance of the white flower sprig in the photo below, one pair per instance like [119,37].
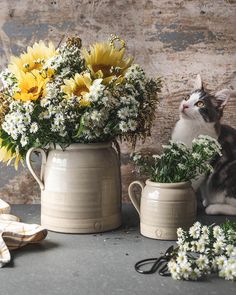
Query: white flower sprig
[203,250]
[179,163]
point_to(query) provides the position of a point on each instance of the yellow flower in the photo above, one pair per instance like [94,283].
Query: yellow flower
[33,59]
[78,86]
[31,86]
[6,156]
[106,61]
[41,52]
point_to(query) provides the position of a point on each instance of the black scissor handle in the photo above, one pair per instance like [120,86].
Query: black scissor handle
[164,271]
[156,263]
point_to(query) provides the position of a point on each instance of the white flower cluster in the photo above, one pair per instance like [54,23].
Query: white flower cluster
[176,147]
[209,144]
[54,111]
[111,112]
[227,267]
[67,62]
[225,260]
[136,157]
[120,108]
[18,122]
[128,114]
[203,250]
[179,163]
[135,73]
[59,112]
[8,81]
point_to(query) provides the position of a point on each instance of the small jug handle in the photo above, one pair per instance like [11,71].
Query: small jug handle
[133,197]
[31,169]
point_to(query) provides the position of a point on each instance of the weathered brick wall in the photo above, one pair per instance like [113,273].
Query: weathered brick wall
[174,39]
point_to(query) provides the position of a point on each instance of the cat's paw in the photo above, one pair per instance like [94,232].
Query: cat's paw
[211,210]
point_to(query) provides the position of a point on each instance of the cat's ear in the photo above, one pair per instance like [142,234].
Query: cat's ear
[198,85]
[223,96]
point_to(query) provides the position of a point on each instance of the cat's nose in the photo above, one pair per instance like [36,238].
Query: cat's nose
[185,106]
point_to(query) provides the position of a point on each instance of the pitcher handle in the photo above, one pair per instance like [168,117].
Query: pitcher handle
[31,169]
[133,197]
[117,147]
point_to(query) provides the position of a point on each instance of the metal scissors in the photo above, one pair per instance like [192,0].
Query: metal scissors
[159,263]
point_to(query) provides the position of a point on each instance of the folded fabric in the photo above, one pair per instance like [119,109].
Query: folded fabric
[15,234]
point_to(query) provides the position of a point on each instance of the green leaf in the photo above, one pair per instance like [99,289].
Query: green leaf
[81,127]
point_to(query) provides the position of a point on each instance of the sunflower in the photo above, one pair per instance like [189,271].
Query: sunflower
[33,59]
[78,86]
[6,155]
[106,61]
[31,86]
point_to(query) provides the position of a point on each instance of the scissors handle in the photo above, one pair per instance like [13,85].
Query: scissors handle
[156,263]
[164,271]
[160,263]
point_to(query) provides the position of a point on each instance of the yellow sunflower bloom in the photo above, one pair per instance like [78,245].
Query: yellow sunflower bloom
[33,59]
[106,61]
[78,86]
[31,86]
[6,156]
[41,52]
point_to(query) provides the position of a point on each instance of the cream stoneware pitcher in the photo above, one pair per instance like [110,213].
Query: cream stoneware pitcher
[163,208]
[80,188]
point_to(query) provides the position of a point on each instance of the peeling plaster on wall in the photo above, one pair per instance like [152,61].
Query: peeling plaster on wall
[180,41]
[179,38]
[174,39]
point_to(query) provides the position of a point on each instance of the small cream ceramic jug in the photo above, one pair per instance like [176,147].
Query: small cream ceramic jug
[163,208]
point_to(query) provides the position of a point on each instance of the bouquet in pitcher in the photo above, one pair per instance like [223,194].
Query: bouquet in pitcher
[73,95]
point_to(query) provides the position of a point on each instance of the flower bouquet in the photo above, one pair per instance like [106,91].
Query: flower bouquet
[201,251]
[168,191]
[73,95]
[204,250]
[178,163]
[69,104]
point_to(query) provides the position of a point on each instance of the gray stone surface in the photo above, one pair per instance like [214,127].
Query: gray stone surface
[174,39]
[98,264]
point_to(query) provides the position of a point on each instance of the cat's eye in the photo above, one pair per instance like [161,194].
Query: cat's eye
[186,97]
[200,104]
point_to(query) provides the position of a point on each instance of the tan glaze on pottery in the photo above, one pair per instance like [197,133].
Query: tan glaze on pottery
[80,188]
[163,208]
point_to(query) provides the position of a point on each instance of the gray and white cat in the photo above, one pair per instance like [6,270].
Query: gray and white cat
[200,113]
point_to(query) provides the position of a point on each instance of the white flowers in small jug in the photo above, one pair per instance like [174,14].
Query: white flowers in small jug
[178,163]
[204,250]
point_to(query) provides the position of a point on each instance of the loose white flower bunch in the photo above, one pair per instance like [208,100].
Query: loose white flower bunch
[204,250]
[71,94]
[178,163]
